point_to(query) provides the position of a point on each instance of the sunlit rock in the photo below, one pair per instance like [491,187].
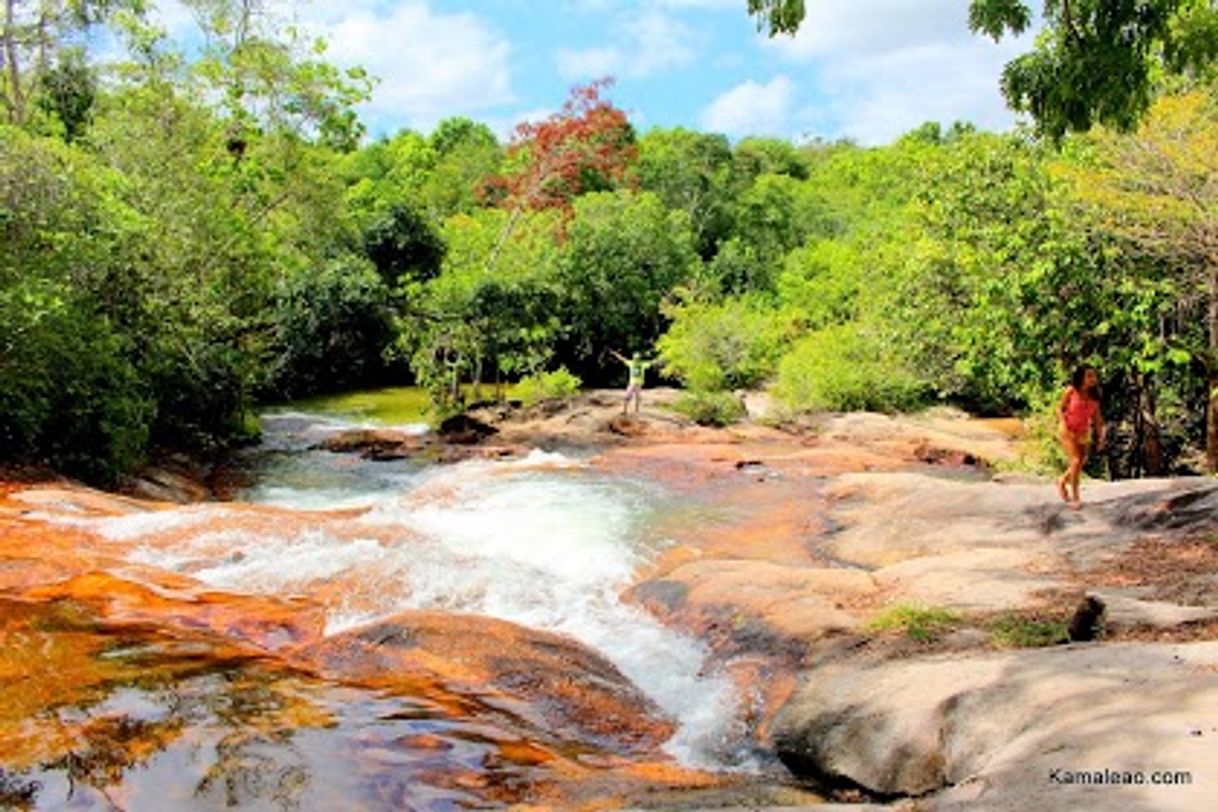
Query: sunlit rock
[553,683]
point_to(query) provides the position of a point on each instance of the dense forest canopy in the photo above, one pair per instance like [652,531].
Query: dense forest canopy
[185,238]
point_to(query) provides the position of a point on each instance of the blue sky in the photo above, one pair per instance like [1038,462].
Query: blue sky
[863,69]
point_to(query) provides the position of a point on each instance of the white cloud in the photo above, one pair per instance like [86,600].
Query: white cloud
[882,67]
[750,108]
[589,63]
[430,64]
[648,43]
[833,29]
[660,42]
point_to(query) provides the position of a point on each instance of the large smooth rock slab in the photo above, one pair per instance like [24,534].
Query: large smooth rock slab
[551,682]
[981,580]
[994,727]
[795,601]
[889,518]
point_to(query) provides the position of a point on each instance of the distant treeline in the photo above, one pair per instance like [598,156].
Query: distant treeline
[183,239]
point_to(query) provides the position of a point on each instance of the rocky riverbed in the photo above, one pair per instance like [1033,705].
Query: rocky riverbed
[895,615]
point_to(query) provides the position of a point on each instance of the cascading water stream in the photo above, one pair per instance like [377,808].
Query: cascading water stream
[544,542]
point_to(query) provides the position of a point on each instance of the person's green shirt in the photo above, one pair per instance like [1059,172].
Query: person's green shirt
[638,370]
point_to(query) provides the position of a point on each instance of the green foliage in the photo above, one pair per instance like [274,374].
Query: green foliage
[1096,60]
[729,345]
[69,395]
[478,322]
[624,253]
[822,281]
[332,328]
[691,172]
[775,214]
[710,408]
[924,624]
[456,132]
[843,368]
[777,16]
[557,385]
[403,246]
[67,92]
[1017,631]
[754,157]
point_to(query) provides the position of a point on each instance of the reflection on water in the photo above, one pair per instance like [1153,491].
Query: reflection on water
[152,723]
[176,709]
[543,541]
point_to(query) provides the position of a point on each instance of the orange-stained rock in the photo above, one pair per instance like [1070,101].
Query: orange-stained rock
[552,683]
[368,438]
[268,623]
[794,601]
[63,500]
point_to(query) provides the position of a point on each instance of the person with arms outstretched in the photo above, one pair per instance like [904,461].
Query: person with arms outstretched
[634,386]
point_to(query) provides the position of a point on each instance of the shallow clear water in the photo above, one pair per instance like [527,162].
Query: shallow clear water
[543,541]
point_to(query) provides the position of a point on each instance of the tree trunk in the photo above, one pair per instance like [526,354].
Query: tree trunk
[1152,450]
[503,238]
[15,100]
[1135,464]
[477,379]
[44,45]
[1211,378]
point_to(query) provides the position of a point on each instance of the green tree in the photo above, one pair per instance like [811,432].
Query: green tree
[1154,190]
[476,321]
[67,92]
[767,156]
[36,43]
[402,245]
[691,172]
[778,16]
[332,328]
[468,153]
[727,345]
[624,253]
[771,217]
[70,394]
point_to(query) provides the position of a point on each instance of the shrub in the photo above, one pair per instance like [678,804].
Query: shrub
[844,368]
[729,345]
[1040,448]
[1016,631]
[710,408]
[557,385]
[331,328]
[921,623]
[69,396]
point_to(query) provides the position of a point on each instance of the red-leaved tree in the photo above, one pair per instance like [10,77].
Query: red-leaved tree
[587,146]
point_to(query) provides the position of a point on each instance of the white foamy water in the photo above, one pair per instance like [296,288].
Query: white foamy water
[541,541]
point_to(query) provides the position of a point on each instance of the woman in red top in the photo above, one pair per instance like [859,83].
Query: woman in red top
[1078,410]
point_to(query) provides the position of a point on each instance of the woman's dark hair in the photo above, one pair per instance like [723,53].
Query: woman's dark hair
[1076,380]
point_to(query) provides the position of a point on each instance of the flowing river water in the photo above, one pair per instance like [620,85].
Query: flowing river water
[545,541]
[542,541]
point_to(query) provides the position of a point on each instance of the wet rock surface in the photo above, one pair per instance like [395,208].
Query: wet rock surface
[892,614]
[800,550]
[558,688]
[391,444]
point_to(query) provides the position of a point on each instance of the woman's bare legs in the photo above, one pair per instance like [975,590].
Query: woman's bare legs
[1076,453]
